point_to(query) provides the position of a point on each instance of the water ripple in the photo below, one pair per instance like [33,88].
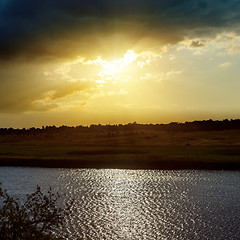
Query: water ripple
[142,204]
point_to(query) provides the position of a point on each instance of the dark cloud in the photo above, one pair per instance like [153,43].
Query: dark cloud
[66,28]
[196,44]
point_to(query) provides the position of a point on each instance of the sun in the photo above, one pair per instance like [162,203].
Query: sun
[103,70]
[111,70]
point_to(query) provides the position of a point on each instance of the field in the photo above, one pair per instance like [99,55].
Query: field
[132,149]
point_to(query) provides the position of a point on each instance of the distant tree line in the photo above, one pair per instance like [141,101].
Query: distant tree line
[205,125]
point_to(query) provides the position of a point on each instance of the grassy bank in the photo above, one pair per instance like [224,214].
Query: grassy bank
[132,149]
[130,157]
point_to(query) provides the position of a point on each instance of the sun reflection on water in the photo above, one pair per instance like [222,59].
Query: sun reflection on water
[139,204]
[120,205]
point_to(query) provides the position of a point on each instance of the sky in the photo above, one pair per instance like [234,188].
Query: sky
[82,62]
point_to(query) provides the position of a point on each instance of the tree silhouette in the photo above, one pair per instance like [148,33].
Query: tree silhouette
[39,217]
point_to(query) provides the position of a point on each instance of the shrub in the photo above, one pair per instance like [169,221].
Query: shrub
[39,217]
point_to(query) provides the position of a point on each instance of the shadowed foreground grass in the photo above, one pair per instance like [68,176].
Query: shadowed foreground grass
[161,157]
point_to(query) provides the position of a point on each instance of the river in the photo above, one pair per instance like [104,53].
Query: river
[139,204]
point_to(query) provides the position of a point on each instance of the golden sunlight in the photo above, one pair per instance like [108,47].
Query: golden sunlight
[111,70]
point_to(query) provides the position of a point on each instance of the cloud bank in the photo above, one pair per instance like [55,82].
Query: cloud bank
[66,28]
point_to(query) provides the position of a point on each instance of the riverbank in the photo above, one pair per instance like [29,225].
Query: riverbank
[129,149]
[128,157]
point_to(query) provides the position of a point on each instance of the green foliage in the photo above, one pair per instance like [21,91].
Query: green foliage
[39,217]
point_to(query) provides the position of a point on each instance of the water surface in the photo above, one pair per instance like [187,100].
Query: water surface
[139,204]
